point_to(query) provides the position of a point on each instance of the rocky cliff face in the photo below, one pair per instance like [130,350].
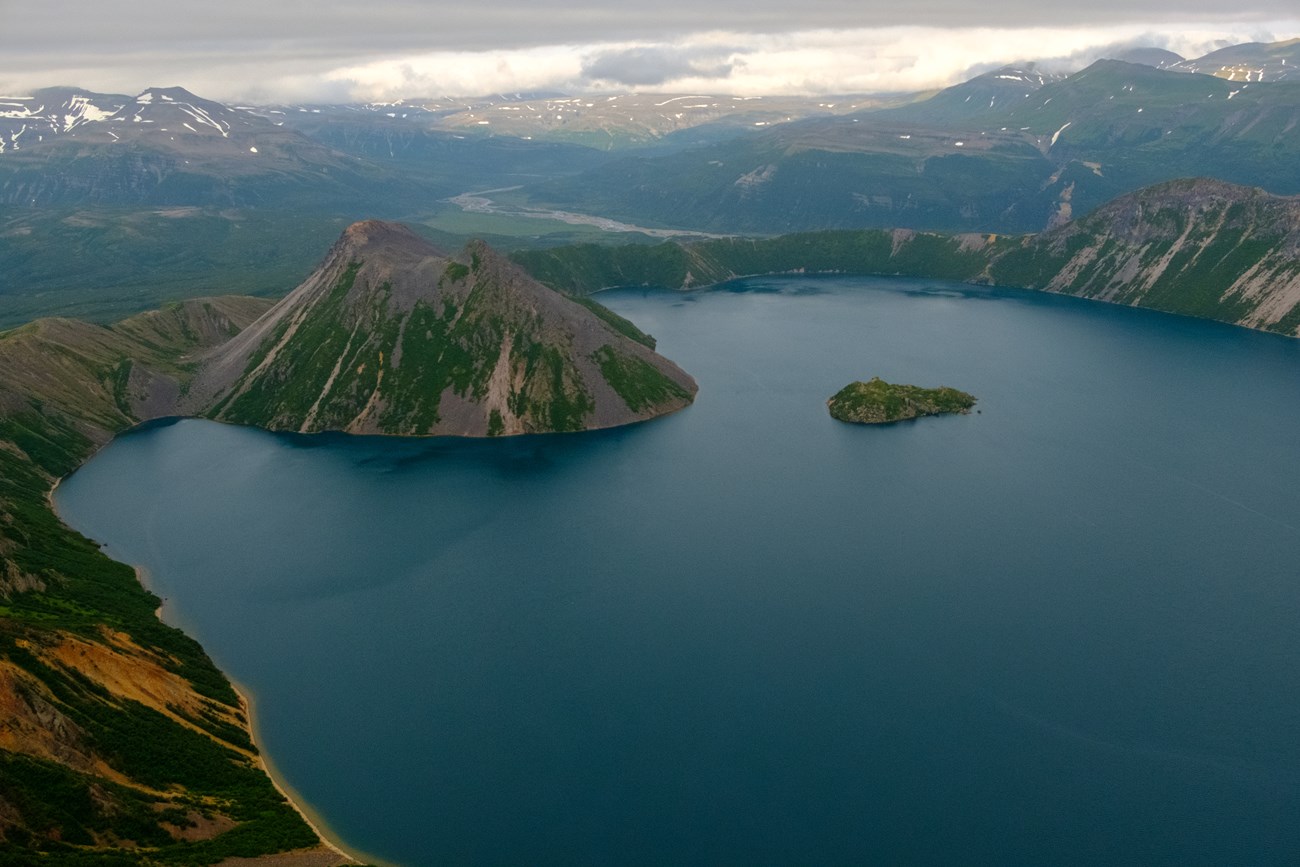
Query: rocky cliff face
[1197,247]
[391,336]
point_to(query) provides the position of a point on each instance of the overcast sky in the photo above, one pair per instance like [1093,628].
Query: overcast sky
[267,50]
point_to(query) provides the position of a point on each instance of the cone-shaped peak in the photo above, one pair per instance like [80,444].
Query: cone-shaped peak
[390,336]
[376,234]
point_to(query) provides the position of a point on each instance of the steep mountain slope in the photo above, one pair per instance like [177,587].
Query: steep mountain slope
[1116,127]
[101,379]
[994,91]
[1250,61]
[1160,58]
[1137,110]
[1195,247]
[167,146]
[390,336]
[50,112]
[120,742]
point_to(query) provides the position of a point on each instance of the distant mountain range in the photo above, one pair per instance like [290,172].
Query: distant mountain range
[603,121]
[616,121]
[167,146]
[92,185]
[1010,151]
[1251,61]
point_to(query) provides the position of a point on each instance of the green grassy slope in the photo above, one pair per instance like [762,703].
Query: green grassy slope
[1193,247]
[121,738]
[588,268]
[104,264]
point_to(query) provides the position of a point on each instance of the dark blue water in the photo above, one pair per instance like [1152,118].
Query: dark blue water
[1065,630]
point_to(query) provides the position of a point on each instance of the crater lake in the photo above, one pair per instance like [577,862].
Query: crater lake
[1060,630]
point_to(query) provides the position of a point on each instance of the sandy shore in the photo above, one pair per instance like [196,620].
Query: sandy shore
[332,852]
[328,838]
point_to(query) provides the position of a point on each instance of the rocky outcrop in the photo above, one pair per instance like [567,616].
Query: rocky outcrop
[880,402]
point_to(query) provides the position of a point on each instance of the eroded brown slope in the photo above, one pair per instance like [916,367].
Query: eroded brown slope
[117,734]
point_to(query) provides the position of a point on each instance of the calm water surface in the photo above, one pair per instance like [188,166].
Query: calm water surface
[1065,630]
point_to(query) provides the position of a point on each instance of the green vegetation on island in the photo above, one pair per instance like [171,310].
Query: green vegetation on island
[639,383]
[880,402]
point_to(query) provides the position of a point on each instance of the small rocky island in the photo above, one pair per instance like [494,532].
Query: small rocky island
[880,402]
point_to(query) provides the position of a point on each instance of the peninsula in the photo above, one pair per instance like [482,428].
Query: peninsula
[391,336]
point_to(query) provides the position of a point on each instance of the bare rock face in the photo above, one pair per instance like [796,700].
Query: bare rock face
[1197,247]
[392,336]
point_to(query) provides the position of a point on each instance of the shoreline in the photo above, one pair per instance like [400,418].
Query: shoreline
[328,838]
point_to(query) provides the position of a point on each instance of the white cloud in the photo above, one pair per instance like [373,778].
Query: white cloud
[463,73]
[899,58]
[654,65]
[820,61]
